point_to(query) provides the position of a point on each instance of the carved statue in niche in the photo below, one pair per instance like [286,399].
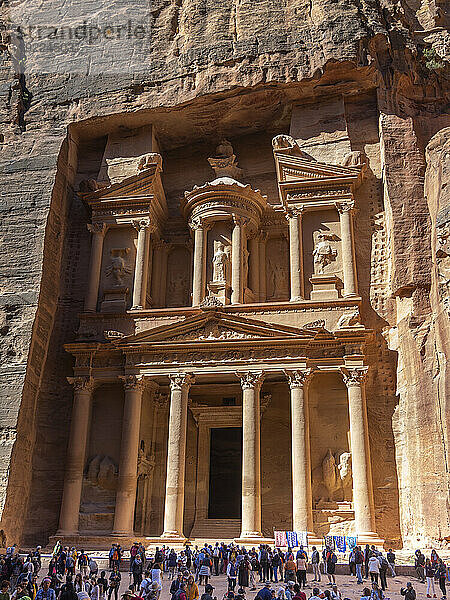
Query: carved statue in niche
[332,481]
[278,271]
[118,268]
[220,262]
[102,472]
[178,293]
[323,253]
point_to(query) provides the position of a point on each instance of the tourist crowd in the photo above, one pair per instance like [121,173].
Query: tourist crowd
[74,575]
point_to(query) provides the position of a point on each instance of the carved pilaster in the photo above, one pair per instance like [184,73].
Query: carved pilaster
[133,382]
[97,228]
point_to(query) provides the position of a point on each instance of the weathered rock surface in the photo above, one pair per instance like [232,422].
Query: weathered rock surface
[228,69]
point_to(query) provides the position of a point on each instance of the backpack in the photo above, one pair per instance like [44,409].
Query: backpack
[334,558]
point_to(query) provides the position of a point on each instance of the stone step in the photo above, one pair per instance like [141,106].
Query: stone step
[220,529]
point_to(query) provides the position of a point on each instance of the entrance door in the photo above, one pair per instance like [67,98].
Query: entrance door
[225,473]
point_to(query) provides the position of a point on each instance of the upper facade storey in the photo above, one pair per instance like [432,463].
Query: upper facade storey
[224,242]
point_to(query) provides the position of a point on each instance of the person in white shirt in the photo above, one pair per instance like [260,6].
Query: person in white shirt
[374,568]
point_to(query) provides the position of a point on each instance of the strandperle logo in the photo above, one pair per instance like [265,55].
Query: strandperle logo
[80,36]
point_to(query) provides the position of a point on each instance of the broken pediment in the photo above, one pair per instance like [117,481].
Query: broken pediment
[301,179]
[217,325]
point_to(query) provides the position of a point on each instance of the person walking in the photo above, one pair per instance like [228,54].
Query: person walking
[383,571]
[390,556]
[114,583]
[192,592]
[374,568]
[429,574]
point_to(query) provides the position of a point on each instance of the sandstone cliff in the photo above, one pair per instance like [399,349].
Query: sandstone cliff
[235,67]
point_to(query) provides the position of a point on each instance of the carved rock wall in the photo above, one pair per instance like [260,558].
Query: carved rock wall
[236,68]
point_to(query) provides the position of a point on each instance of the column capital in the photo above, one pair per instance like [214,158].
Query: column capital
[84,384]
[299,378]
[143,223]
[239,220]
[343,207]
[97,228]
[180,380]
[199,223]
[294,212]
[133,382]
[161,400]
[250,379]
[354,376]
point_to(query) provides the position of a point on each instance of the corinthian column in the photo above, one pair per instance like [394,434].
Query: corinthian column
[302,516]
[176,455]
[251,383]
[198,282]
[129,448]
[98,231]
[237,275]
[294,216]
[141,266]
[345,210]
[361,470]
[76,454]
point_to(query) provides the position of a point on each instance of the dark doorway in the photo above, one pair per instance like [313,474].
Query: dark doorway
[225,473]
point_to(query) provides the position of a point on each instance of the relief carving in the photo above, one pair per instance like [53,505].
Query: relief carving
[118,269]
[332,481]
[220,262]
[102,472]
[443,263]
[323,253]
[277,269]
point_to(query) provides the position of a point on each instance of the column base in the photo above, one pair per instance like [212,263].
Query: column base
[174,537]
[123,533]
[370,537]
[296,299]
[62,533]
[136,307]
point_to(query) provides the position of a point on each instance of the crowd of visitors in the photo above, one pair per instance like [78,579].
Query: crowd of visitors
[74,575]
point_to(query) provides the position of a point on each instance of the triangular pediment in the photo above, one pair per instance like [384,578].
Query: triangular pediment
[299,169]
[210,326]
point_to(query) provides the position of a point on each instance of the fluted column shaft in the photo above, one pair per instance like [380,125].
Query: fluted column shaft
[176,455]
[302,516]
[251,454]
[294,218]
[141,266]
[156,272]
[345,210]
[76,455]
[359,439]
[198,283]
[98,231]
[129,449]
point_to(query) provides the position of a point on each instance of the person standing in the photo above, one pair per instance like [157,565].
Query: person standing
[390,556]
[409,592]
[46,592]
[216,558]
[289,570]
[429,574]
[331,566]
[315,560]
[114,583]
[359,561]
[83,563]
[419,564]
[244,573]
[301,570]
[441,574]
[232,575]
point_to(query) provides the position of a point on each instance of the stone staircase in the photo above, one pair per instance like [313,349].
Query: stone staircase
[215,529]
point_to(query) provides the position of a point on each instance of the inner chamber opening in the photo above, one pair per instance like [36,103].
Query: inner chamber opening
[225,473]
